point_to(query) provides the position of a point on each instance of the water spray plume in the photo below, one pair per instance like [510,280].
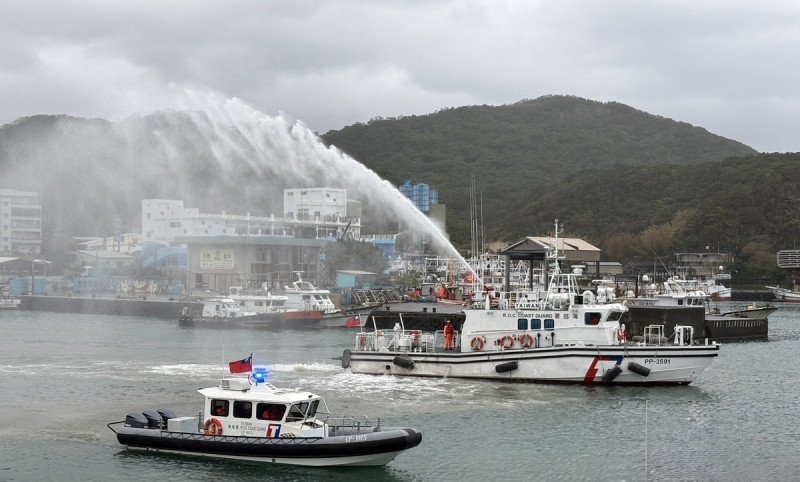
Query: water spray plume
[215,153]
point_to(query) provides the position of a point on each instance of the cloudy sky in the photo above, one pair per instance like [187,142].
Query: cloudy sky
[729,66]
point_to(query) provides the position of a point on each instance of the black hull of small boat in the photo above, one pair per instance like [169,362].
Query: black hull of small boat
[387,441]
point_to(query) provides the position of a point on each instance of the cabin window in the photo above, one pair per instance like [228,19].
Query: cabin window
[592,318]
[219,408]
[536,324]
[549,324]
[522,323]
[614,315]
[242,409]
[680,302]
[299,411]
[270,411]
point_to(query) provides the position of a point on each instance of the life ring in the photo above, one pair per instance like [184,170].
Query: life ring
[476,343]
[526,340]
[506,342]
[468,278]
[362,340]
[213,427]
[620,334]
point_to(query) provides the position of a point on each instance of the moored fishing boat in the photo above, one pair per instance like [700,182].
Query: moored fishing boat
[10,302]
[747,322]
[221,312]
[783,294]
[557,335]
[247,418]
[271,307]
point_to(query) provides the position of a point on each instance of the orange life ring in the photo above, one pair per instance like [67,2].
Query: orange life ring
[468,278]
[620,334]
[526,340]
[213,427]
[476,343]
[362,340]
[506,342]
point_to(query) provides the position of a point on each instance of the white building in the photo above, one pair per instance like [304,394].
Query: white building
[20,222]
[313,213]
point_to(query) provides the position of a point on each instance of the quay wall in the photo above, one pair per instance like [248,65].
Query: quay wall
[169,309]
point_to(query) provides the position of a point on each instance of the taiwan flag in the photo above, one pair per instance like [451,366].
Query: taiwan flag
[242,366]
[354,321]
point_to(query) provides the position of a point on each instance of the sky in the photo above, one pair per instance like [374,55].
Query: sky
[728,66]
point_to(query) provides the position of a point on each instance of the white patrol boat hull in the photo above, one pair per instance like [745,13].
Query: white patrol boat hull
[557,334]
[668,365]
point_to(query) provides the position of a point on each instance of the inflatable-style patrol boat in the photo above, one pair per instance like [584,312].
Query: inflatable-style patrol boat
[247,418]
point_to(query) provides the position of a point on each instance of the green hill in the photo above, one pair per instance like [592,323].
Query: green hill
[522,153]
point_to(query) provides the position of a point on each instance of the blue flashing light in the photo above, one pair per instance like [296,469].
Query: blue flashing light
[259,375]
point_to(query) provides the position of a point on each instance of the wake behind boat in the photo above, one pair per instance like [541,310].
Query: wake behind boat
[556,335]
[247,418]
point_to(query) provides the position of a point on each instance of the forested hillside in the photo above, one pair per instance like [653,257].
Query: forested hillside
[525,153]
[625,180]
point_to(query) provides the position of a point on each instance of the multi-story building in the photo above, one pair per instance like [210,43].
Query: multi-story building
[308,213]
[226,250]
[20,223]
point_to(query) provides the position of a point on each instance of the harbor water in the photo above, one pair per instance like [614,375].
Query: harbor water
[64,376]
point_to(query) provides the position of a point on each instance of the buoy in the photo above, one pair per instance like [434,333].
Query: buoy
[638,369]
[506,367]
[346,358]
[403,361]
[611,374]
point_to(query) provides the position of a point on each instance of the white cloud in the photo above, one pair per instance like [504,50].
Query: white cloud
[726,66]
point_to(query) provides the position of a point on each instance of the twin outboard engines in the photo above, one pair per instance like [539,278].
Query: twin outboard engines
[149,418]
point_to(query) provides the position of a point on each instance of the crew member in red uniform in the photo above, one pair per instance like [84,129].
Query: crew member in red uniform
[448,335]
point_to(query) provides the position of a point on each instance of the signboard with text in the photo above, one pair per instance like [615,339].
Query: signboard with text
[216,259]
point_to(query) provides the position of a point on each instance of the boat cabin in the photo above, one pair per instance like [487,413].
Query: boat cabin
[237,407]
[223,308]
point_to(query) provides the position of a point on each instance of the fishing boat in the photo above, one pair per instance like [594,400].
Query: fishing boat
[9,302]
[221,312]
[783,294]
[304,296]
[748,322]
[247,418]
[557,335]
[272,307]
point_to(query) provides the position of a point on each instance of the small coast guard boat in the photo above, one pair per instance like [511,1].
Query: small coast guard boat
[249,419]
[556,335]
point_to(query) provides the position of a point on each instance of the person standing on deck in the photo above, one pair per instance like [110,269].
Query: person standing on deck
[448,335]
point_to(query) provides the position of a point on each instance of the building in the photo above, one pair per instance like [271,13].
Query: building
[427,201]
[224,250]
[215,263]
[318,213]
[701,264]
[20,223]
[421,195]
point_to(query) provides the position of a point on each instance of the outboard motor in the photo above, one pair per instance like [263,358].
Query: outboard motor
[166,414]
[136,420]
[153,418]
